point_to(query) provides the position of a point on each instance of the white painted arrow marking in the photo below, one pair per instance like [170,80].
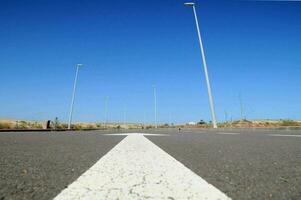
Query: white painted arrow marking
[149,134]
[138,169]
[279,135]
[223,133]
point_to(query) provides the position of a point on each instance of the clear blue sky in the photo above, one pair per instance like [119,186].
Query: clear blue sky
[253,49]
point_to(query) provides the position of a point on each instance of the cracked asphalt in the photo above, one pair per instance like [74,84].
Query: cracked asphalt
[40,165]
[249,165]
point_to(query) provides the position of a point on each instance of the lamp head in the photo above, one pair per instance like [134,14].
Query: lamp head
[190,4]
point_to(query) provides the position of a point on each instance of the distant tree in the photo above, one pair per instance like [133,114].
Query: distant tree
[201,122]
[56,123]
[98,125]
[4,125]
[289,122]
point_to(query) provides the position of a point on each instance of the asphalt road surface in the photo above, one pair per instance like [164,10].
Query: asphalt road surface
[239,164]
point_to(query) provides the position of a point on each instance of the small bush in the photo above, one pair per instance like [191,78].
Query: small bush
[98,125]
[63,126]
[77,127]
[90,126]
[289,123]
[201,122]
[22,125]
[55,124]
[4,125]
[36,125]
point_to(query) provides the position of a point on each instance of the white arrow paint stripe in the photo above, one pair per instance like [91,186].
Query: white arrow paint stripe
[149,134]
[279,135]
[222,133]
[138,169]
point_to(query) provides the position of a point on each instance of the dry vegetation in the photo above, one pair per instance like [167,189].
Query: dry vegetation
[20,124]
[251,124]
[56,125]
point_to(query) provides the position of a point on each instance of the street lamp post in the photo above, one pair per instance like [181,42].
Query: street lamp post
[205,65]
[106,110]
[155,101]
[73,95]
[124,116]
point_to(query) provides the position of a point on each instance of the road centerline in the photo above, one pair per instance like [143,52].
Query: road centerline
[136,169]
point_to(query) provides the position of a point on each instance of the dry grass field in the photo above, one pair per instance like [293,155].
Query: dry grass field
[26,124]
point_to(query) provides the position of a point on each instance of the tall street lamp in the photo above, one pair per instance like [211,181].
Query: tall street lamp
[155,105]
[106,110]
[73,95]
[124,115]
[190,4]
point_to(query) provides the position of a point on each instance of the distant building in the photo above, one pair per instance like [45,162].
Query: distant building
[191,123]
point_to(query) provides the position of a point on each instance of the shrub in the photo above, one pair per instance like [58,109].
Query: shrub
[4,125]
[98,125]
[77,127]
[289,123]
[36,125]
[90,126]
[201,122]
[63,126]
[56,123]
[22,124]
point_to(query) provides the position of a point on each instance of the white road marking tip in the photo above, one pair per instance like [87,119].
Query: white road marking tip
[138,169]
[147,134]
[221,133]
[279,135]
